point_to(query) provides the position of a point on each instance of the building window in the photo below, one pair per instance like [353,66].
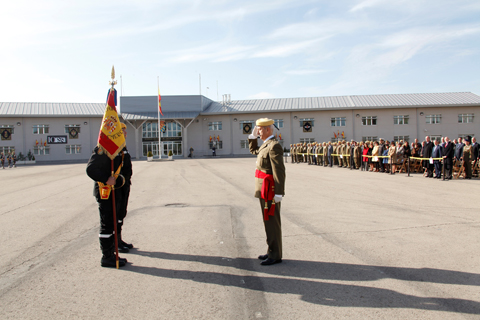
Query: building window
[173,129]
[438,138]
[215,126]
[150,146]
[400,119]
[465,118]
[403,138]
[8,126]
[174,146]
[6,132]
[73,148]
[246,126]
[369,121]
[244,144]
[279,123]
[40,129]
[150,130]
[302,121]
[433,118]
[367,138]
[6,150]
[73,130]
[41,150]
[218,145]
[307,140]
[338,122]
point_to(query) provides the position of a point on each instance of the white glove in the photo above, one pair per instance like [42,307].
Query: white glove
[278,198]
[255,133]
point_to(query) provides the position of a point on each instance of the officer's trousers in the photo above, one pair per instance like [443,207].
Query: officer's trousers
[273,230]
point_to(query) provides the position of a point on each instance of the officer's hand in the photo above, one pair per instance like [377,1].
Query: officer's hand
[278,198]
[111,181]
[256,131]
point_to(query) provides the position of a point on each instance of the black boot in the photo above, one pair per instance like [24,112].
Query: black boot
[107,245]
[122,243]
[111,261]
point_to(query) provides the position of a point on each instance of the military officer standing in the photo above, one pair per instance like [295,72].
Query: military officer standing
[99,169]
[269,186]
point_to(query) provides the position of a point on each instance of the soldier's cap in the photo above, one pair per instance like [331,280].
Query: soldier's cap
[263,122]
[468,138]
[124,126]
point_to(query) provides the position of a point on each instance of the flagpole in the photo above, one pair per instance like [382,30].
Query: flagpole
[159,133]
[115,229]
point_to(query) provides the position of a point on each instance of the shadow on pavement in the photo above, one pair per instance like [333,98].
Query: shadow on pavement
[324,293]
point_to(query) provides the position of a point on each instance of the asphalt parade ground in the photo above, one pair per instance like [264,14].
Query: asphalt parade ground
[356,245]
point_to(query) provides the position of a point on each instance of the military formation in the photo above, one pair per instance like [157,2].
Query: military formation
[434,159]
[10,159]
[342,154]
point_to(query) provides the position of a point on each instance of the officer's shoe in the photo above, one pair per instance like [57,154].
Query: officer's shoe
[270,261]
[124,244]
[122,248]
[263,257]
[110,261]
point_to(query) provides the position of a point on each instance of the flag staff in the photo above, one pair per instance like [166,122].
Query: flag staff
[159,110]
[113,83]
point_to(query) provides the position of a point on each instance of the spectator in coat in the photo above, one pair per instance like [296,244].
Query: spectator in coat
[437,153]
[448,154]
[427,153]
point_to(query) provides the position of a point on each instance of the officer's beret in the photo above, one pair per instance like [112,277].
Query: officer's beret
[263,122]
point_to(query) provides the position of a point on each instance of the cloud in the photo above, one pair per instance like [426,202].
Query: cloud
[365,4]
[288,49]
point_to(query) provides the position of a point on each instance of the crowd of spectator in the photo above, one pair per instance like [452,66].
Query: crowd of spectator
[432,157]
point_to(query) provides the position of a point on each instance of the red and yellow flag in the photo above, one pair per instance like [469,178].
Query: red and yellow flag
[110,138]
[160,102]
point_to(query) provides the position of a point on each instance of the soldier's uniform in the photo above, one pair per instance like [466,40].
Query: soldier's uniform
[9,158]
[14,160]
[357,156]
[99,169]
[309,152]
[299,151]
[346,155]
[2,159]
[467,158]
[292,153]
[270,171]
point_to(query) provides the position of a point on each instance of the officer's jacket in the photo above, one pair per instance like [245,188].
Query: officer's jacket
[99,167]
[269,161]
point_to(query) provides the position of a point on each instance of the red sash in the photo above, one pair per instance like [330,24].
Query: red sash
[267,192]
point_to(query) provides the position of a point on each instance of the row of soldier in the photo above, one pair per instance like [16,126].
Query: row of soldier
[388,156]
[344,154]
[10,157]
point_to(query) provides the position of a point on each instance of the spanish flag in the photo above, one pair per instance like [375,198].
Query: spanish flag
[160,102]
[110,138]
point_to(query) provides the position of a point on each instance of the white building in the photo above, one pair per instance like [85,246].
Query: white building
[71,129]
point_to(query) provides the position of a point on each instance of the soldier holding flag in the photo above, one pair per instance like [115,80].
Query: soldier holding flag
[110,170]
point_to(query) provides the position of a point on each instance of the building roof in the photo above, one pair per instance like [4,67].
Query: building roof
[451,99]
[347,102]
[42,109]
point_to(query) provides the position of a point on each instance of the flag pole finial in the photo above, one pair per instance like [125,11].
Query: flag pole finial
[113,82]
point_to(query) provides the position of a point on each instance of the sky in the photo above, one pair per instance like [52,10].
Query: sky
[63,51]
